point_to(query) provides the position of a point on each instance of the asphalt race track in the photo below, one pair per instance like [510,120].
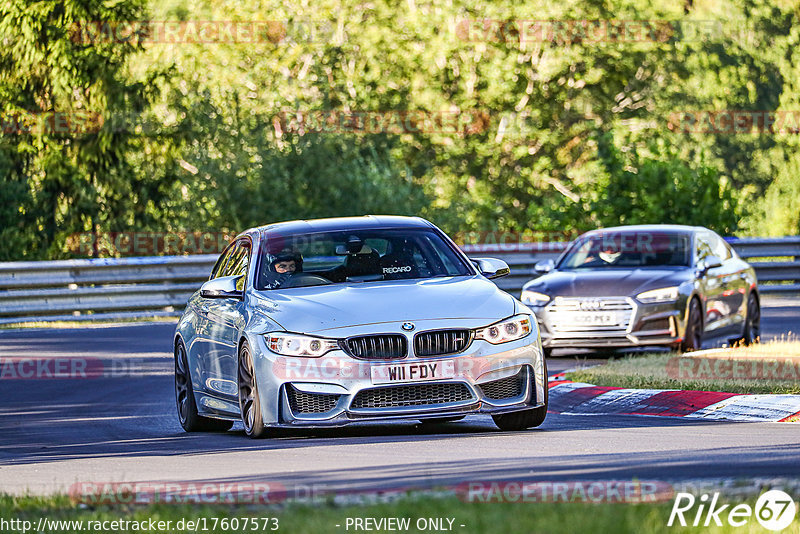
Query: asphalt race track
[123,427]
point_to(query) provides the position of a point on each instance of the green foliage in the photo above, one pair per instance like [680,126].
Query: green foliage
[659,187]
[57,180]
[560,134]
[777,213]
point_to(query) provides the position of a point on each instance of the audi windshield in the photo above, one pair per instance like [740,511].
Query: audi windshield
[372,255]
[628,250]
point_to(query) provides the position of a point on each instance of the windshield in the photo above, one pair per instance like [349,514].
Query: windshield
[304,260]
[628,250]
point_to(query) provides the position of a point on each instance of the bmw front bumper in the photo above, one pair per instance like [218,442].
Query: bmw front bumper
[337,389]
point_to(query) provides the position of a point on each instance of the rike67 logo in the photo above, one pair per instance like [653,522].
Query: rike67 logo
[774,510]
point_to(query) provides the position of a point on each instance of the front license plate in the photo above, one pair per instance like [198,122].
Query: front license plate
[412,372]
[591,319]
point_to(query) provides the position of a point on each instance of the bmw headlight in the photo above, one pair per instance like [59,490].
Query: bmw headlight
[507,330]
[665,294]
[533,298]
[299,345]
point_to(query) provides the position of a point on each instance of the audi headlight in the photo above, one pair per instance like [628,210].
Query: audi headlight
[507,330]
[299,345]
[533,298]
[665,294]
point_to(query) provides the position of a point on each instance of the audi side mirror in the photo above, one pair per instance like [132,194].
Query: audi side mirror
[491,267]
[710,262]
[223,287]
[544,266]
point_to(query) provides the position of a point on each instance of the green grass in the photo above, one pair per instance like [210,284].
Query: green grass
[493,518]
[656,371]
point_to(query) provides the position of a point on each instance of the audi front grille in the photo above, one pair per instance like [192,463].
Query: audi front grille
[603,316]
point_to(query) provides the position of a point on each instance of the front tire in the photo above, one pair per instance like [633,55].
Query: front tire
[525,419]
[522,420]
[693,337]
[752,324]
[249,401]
[190,420]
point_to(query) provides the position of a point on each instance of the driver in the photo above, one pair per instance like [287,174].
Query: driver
[282,267]
[602,255]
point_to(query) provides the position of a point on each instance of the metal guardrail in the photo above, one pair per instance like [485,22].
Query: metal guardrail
[776,260]
[99,288]
[160,286]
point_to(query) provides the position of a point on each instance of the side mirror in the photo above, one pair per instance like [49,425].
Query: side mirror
[223,287]
[544,266]
[491,267]
[711,262]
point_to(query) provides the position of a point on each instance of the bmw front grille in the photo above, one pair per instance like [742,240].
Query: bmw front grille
[441,342]
[376,347]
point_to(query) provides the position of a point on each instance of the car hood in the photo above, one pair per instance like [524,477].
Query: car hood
[320,308]
[607,282]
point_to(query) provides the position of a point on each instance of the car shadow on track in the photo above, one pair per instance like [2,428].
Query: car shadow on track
[730,462]
[79,440]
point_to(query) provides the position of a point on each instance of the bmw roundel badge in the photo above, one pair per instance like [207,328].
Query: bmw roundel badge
[408,327]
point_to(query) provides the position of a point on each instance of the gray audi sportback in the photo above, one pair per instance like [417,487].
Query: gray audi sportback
[645,285]
[328,322]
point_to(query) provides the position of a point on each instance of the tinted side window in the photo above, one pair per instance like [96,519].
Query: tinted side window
[232,266]
[719,247]
[239,263]
[219,267]
[703,247]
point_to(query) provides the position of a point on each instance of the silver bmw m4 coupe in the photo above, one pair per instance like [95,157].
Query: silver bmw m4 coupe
[332,321]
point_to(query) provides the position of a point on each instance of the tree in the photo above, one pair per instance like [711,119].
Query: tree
[67,174]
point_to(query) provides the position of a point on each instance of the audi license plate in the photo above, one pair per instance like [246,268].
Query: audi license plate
[412,372]
[591,319]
